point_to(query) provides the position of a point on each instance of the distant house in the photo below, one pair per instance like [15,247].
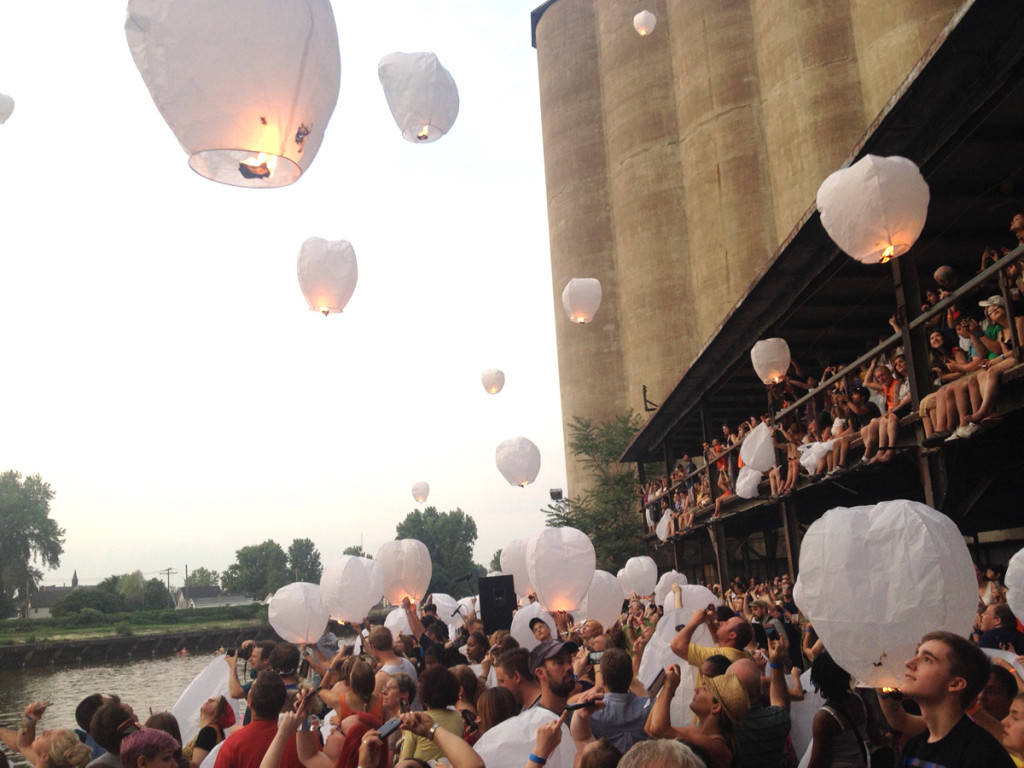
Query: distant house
[207,597]
[41,603]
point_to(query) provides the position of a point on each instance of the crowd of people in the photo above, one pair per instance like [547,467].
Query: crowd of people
[971,347]
[438,696]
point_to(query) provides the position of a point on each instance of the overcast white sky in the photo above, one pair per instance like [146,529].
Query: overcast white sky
[162,371]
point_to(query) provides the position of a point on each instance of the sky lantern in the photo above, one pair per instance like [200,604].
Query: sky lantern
[520,628]
[693,597]
[327,273]
[420,491]
[641,575]
[905,571]
[770,358]
[6,107]
[875,209]
[247,86]
[1013,580]
[748,482]
[518,461]
[663,589]
[757,450]
[297,613]
[493,380]
[561,564]
[581,298]
[513,563]
[350,586]
[407,569]
[422,95]
[644,23]
[603,602]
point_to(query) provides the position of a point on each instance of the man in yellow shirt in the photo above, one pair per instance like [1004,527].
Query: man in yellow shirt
[731,638]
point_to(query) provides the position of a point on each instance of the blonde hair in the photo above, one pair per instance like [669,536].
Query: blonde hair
[67,751]
[660,753]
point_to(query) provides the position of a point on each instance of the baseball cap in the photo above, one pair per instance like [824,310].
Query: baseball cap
[548,650]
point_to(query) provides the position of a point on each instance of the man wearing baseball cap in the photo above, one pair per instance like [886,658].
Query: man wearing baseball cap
[540,629]
[551,662]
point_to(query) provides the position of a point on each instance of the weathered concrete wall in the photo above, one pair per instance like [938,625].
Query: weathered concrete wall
[677,163]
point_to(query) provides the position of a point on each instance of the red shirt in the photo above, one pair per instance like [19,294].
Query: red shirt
[246,747]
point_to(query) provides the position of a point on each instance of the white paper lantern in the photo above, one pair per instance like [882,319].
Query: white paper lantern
[327,273]
[874,579]
[520,628]
[644,23]
[620,575]
[641,575]
[297,613]
[247,86]
[875,209]
[661,529]
[513,563]
[407,569]
[757,450]
[1013,580]
[506,744]
[518,461]
[420,491]
[802,716]
[582,298]
[663,589]
[493,380]
[771,359]
[350,586]
[6,107]
[398,622]
[561,564]
[470,605]
[658,653]
[421,94]
[603,601]
[448,609]
[748,482]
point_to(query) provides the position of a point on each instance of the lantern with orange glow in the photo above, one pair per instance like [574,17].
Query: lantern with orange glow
[6,107]
[247,86]
[581,299]
[493,380]
[561,565]
[644,23]
[421,94]
[328,273]
[297,613]
[875,209]
[420,491]
[407,569]
[518,460]
[350,586]
[770,358]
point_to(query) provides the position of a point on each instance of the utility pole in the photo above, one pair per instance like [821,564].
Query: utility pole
[168,572]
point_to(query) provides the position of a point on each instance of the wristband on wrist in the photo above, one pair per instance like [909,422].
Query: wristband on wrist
[537,760]
[773,665]
[433,730]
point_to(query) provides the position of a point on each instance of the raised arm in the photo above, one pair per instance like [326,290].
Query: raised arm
[778,656]
[454,747]
[680,644]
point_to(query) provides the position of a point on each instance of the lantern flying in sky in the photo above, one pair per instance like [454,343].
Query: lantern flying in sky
[6,107]
[421,94]
[644,23]
[770,358]
[407,569]
[327,274]
[493,380]
[518,460]
[875,209]
[420,491]
[641,574]
[247,86]
[581,298]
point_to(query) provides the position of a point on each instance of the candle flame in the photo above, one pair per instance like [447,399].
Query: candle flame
[887,254]
[260,167]
[424,133]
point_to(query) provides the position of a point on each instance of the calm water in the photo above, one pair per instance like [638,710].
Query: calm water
[147,685]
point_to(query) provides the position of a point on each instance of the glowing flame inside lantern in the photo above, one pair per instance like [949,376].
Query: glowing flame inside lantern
[424,133]
[260,167]
[888,253]
[325,311]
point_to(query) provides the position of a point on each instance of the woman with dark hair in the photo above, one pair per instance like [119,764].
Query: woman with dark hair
[215,717]
[439,690]
[838,729]
[168,723]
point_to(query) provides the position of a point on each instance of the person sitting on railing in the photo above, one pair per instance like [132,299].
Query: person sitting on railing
[879,435]
[724,492]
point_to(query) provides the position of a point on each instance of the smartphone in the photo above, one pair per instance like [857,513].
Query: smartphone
[771,632]
[389,727]
[595,656]
[655,687]
[470,720]
[579,705]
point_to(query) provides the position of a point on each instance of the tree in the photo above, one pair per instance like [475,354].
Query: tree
[449,537]
[258,570]
[28,536]
[94,599]
[201,577]
[496,561]
[356,550]
[606,512]
[304,561]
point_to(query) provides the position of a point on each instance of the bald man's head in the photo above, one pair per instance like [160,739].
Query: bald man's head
[750,678]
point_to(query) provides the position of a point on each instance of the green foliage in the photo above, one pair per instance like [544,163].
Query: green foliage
[606,512]
[27,535]
[99,601]
[201,577]
[356,550]
[304,561]
[258,570]
[449,537]
[496,562]
[123,629]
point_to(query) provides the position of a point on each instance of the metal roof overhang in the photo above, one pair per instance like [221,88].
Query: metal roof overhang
[960,116]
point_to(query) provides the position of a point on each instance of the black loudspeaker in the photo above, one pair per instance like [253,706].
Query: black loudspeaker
[497,602]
